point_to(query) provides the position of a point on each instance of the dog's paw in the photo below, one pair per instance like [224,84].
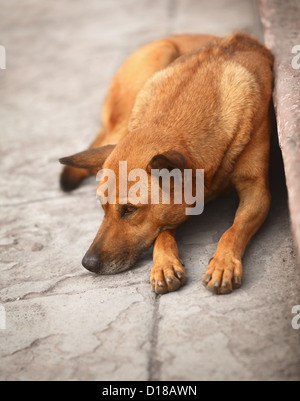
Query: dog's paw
[223,275]
[167,277]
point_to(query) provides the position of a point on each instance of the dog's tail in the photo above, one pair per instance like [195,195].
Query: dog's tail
[82,165]
[72,177]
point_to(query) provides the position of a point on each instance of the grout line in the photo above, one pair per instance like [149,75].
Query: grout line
[172,13]
[259,26]
[154,365]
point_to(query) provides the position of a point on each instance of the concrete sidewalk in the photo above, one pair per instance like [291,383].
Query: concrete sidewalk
[63,323]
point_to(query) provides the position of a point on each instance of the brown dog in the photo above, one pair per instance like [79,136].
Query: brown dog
[185,102]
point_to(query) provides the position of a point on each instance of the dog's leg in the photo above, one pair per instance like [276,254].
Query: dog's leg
[168,273]
[225,269]
[250,179]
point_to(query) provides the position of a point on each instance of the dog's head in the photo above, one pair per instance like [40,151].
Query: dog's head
[134,214]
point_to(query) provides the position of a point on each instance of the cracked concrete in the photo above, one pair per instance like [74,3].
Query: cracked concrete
[66,324]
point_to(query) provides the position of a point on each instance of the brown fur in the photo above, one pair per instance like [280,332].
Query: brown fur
[188,101]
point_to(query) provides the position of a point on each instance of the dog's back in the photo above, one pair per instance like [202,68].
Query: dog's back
[207,97]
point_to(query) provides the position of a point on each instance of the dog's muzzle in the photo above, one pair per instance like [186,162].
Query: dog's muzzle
[94,263]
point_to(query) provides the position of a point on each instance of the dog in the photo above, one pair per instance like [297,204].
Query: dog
[184,102]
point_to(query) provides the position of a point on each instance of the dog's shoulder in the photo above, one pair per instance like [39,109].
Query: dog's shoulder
[237,70]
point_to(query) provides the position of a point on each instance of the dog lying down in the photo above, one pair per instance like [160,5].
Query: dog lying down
[181,104]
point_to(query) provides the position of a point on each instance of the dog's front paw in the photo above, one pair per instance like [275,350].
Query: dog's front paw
[167,277]
[223,275]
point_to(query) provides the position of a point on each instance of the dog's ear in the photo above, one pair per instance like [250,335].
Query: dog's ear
[92,159]
[169,160]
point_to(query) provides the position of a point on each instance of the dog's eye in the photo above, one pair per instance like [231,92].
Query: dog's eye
[127,210]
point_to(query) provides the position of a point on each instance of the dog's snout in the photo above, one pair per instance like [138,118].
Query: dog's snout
[92,262]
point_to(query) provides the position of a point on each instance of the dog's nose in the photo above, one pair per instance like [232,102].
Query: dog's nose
[92,262]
